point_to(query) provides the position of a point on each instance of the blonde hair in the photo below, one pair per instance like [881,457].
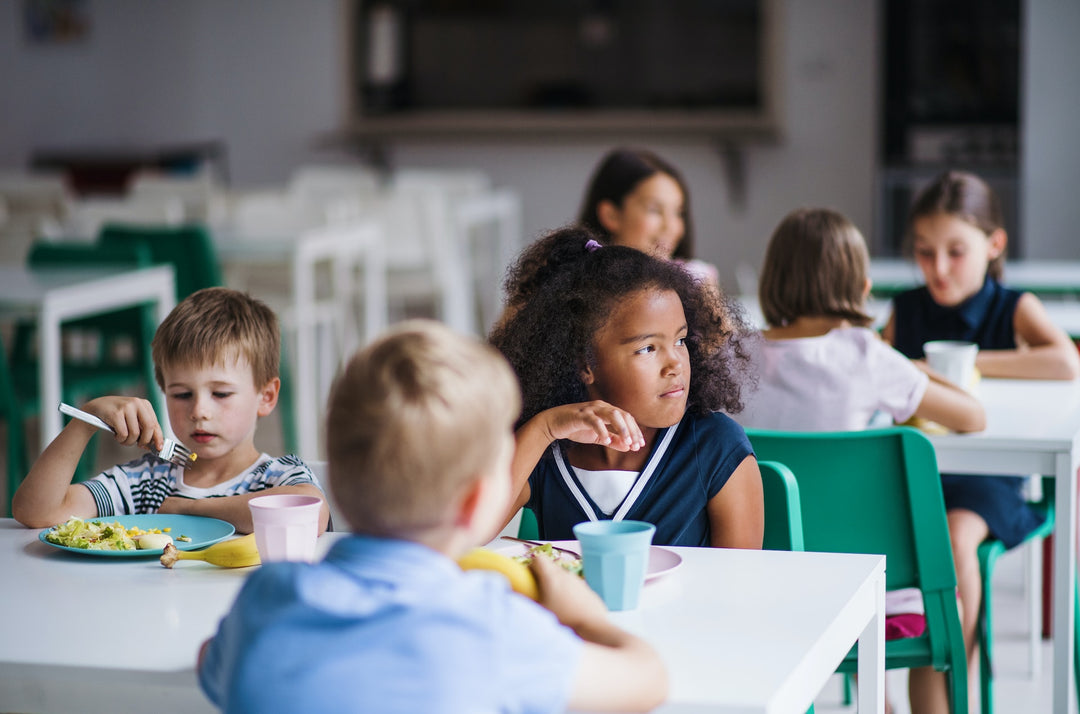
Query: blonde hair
[816,265]
[215,325]
[416,417]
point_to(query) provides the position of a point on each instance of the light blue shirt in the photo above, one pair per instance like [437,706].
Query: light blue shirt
[387,626]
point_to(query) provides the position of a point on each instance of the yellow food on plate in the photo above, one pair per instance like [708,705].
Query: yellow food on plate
[152,541]
[520,577]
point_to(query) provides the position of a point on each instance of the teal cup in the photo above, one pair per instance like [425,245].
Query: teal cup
[615,558]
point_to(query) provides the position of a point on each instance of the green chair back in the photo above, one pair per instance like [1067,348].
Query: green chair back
[189,249]
[879,491]
[13,412]
[106,372]
[783,509]
[528,528]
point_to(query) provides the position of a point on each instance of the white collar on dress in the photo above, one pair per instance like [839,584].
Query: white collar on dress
[639,485]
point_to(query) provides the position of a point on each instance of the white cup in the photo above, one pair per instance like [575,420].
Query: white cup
[286,526]
[953,359]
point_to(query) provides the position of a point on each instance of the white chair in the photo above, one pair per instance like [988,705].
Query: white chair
[201,198]
[326,268]
[33,203]
[488,225]
[322,181]
[425,266]
[85,217]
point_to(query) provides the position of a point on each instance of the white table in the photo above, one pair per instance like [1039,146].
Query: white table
[892,275]
[1065,313]
[762,631]
[1033,427]
[741,631]
[53,296]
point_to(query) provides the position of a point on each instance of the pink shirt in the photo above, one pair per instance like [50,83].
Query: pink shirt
[835,382]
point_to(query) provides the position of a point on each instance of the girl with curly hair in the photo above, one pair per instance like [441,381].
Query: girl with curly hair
[624,362]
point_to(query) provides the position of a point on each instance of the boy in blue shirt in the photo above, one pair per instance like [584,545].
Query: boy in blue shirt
[420,441]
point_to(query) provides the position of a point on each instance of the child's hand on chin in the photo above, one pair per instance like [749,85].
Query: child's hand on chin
[595,422]
[567,595]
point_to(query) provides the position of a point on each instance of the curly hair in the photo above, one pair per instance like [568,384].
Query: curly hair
[560,294]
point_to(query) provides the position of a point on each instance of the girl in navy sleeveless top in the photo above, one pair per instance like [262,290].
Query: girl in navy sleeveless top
[625,362]
[956,231]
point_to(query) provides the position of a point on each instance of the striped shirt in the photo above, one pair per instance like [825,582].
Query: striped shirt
[142,485]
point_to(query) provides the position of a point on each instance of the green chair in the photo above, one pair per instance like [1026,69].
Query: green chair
[783,509]
[879,491]
[528,528]
[14,411]
[989,551]
[187,248]
[91,375]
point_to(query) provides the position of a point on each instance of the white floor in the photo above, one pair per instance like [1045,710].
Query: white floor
[1015,688]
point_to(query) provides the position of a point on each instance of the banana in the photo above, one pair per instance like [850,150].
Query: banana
[236,553]
[520,577]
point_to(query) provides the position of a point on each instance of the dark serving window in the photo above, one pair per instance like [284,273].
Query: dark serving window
[558,55]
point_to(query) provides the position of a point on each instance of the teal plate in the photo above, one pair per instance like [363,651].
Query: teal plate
[202,531]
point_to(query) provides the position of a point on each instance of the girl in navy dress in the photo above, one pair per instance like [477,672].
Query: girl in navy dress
[624,361]
[956,231]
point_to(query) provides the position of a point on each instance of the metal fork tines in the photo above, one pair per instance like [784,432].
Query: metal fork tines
[171,451]
[177,453]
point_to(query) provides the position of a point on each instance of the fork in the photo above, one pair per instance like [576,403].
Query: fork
[536,542]
[172,451]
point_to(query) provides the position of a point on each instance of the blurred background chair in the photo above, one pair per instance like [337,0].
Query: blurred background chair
[989,552]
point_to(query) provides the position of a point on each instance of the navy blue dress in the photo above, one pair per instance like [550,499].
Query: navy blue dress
[689,464]
[986,318]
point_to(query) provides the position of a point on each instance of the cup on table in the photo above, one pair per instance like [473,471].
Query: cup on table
[954,360]
[615,558]
[286,526]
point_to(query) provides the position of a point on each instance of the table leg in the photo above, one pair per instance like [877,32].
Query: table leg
[49,373]
[1064,581]
[871,664]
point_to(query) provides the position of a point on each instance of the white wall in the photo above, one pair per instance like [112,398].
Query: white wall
[261,74]
[1050,142]
[826,156]
[265,76]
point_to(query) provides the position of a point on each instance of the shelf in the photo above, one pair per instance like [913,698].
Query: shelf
[735,126]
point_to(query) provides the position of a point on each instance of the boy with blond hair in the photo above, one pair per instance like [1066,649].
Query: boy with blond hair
[216,358]
[420,440]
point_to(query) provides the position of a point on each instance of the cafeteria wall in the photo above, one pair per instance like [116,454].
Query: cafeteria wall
[268,77]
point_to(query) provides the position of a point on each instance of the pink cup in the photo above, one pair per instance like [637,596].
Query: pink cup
[286,526]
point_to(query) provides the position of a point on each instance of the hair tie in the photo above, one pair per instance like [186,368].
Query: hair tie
[591,246]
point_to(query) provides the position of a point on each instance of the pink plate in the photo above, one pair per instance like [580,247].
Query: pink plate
[661,560]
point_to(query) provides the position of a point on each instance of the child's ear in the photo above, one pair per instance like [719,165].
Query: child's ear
[268,396]
[608,215]
[586,374]
[866,288]
[998,240]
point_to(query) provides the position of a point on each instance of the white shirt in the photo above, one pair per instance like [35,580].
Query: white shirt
[834,382]
[607,488]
